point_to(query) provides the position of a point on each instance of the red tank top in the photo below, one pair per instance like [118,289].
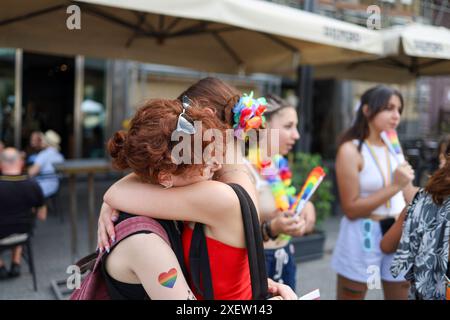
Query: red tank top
[230,271]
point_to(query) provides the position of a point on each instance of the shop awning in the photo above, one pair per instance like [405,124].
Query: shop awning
[209,35]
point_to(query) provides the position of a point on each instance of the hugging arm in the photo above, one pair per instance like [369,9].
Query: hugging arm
[179,203]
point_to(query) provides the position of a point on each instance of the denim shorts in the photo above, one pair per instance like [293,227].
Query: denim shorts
[281,266]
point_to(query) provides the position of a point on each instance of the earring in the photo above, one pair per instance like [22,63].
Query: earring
[169,185]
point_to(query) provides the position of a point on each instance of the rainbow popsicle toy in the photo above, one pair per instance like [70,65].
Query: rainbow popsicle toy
[391,139]
[311,184]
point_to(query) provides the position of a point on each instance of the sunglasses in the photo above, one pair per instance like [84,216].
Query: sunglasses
[367,234]
[185,123]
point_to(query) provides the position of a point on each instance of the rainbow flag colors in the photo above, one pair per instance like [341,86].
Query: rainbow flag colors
[311,184]
[390,138]
[167,279]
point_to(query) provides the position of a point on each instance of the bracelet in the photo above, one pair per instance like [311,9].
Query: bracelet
[265,236]
[269,230]
[266,231]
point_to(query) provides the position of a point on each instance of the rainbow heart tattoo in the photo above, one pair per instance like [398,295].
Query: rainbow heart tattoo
[167,279]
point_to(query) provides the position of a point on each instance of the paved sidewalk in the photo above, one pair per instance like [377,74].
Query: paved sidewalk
[52,255]
[317,274]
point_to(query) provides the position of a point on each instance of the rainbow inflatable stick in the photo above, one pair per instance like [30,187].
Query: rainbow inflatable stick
[390,138]
[311,184]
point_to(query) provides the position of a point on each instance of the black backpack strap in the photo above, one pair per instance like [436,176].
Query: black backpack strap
[199,263]
[174,229]
[254,243]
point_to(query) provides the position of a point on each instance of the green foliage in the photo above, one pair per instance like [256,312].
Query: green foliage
[323,197]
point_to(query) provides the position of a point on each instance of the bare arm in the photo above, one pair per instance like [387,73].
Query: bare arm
[181,203]
[348,162]
[150,260]
[42,213]
[34,170]
[409,192]
[391,239]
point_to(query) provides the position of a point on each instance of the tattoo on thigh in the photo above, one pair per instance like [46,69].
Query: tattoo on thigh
[168,279]
[352,292]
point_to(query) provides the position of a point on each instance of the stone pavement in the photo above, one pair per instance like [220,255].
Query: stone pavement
[52,255]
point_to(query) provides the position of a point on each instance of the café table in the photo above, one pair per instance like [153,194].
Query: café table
[72,169]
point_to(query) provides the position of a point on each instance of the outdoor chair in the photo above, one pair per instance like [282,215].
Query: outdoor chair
[21,239]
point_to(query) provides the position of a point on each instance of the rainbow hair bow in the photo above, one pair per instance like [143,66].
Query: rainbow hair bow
[248,114]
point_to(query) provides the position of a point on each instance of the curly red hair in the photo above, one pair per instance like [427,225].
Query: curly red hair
[439,184]
[146,147]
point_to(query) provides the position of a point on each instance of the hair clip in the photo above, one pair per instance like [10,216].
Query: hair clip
[184,123]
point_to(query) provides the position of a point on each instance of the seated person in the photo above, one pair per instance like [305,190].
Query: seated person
[35,147]
[18,197]
[43,167]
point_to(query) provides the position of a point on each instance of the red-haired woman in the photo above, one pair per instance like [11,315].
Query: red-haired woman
[210,202]
[130,268]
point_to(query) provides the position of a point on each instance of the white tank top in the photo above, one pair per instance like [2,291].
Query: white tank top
[370,179]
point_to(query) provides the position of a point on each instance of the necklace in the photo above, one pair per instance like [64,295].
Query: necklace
[277,173]
[388,178]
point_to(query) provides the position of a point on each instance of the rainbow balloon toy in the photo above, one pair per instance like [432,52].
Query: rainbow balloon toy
[311,184]
[391,139]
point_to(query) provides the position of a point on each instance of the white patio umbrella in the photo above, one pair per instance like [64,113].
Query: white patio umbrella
[209,35]
[409,51]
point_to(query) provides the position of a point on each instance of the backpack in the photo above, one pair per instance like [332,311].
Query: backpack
[93,286]
[199,260]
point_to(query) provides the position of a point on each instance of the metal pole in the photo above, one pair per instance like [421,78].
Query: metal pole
[18,99]
[73,216]
[78,99]
[108,99]
[304,92]
[91,211]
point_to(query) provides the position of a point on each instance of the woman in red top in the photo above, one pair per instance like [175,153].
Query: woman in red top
[229,266]
[212,203]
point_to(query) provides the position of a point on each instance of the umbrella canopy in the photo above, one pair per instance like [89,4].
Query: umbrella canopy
[409,51]
[208,35]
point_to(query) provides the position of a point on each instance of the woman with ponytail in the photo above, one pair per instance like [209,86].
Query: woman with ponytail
[373,190]
[275,192]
